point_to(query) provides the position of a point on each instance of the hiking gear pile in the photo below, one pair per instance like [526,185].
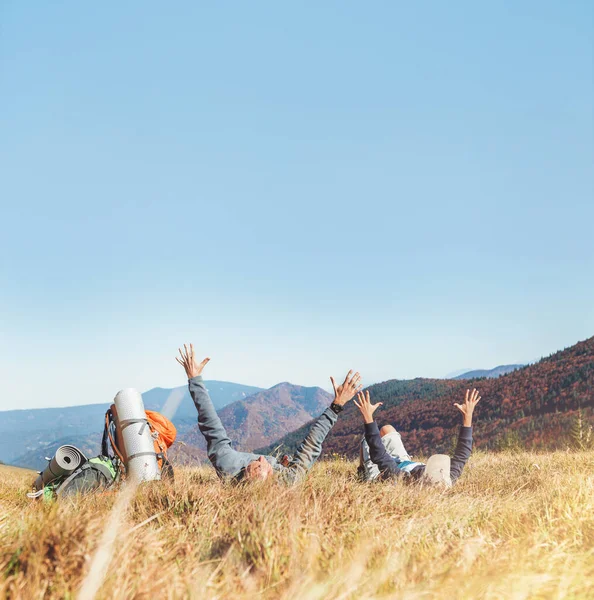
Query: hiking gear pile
[134,445]
[119,440]
[70,472]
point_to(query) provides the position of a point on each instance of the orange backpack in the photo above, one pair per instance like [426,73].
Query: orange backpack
[164,433]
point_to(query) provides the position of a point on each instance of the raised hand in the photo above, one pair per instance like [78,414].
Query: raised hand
[347,389]
[365,407]
[470,401]
[188,362]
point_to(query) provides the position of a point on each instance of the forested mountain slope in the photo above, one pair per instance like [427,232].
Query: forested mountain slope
[534,405]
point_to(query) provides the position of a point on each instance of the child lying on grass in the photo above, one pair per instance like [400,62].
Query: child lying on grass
[440,469]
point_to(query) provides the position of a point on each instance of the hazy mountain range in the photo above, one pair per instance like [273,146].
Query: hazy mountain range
[26,436]
[489,373]
[252,416]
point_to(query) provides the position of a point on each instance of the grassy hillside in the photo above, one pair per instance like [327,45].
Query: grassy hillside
[516,526]
[18,471]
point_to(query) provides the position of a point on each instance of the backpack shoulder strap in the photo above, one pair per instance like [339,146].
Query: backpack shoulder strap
[108,439]
[70,477]
[106,433]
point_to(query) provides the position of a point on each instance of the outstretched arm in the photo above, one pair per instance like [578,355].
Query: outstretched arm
[209,422]
[464,445]
[386,464]
[311,447]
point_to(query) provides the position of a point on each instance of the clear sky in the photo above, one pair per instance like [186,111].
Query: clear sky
[298,188]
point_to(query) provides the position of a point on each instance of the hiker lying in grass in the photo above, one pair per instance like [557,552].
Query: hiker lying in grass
[440,469]
[230,463]
[367,469]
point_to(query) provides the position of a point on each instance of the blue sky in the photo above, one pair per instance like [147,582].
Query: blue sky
[297,188]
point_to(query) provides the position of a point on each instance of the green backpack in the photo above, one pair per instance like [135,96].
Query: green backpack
[94,474]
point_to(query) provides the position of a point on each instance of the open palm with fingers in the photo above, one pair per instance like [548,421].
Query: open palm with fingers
[347,389]
[363,403]
[189,363]
[467,407]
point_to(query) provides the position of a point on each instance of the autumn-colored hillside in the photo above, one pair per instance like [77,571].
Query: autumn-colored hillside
[265,416]
[533,407]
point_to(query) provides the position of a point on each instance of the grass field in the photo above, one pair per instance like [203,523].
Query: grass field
[4,469]
[515,526]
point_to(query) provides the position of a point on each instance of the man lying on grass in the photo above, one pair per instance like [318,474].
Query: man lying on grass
[230,463]
[439,468]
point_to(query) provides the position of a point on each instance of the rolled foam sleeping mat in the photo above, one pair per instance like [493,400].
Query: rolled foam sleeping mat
[141,458]
[65,461]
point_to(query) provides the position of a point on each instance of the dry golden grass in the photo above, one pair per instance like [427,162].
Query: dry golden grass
[515,526]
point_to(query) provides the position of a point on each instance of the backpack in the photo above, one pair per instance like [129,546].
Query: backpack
[162,430]
[96,473]
[93,474]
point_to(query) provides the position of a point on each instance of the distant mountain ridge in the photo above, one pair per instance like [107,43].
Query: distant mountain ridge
[489,373]
[535,404]
[251,421]
[27,435]
[267,415]
[393,391]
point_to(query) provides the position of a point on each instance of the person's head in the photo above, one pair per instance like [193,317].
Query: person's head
[259,469]
[386,429]
[437,471]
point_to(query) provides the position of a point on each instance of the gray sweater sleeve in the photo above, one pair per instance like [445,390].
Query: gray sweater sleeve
[209,422]
[462,452]
[311,447]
